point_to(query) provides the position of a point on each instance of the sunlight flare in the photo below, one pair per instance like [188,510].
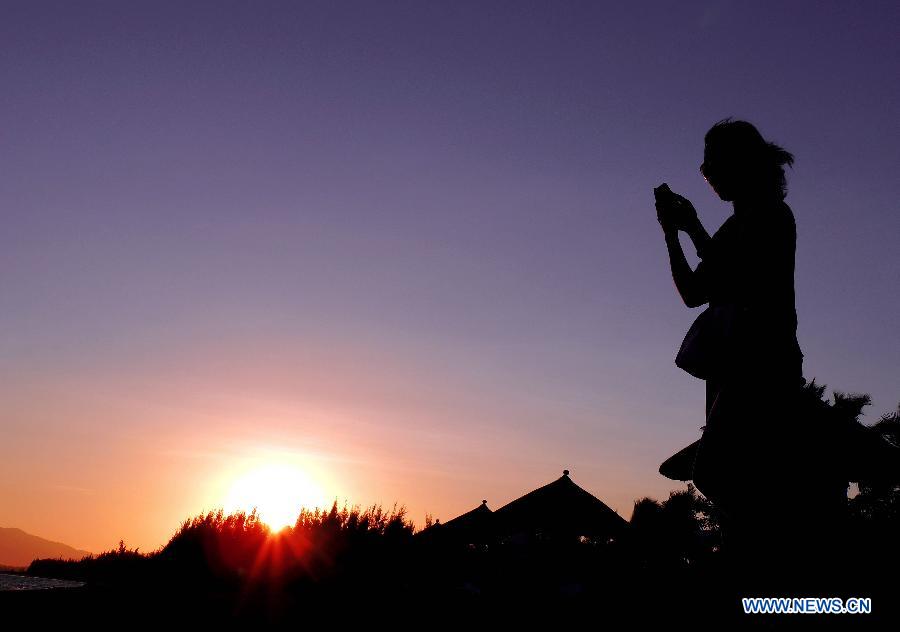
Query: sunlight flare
[277,491]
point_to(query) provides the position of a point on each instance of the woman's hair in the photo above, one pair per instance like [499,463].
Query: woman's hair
[761,161]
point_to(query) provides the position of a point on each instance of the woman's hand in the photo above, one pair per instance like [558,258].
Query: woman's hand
[664,217]
[684,215]
[673,211]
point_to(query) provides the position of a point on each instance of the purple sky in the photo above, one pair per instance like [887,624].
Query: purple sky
[431,222]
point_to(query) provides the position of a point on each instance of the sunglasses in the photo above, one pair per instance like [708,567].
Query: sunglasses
[707,167]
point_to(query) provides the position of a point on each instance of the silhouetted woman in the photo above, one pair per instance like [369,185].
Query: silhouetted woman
[755,459]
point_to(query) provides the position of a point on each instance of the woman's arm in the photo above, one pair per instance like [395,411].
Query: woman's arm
[677,213]
[688,283]
[695,230]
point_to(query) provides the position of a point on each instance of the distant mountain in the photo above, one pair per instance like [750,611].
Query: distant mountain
[18,549]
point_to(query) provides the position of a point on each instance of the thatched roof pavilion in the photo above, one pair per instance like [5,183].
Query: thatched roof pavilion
[471,527]
[560,508]
[474,519]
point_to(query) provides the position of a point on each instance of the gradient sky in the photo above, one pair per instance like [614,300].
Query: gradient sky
[408,246]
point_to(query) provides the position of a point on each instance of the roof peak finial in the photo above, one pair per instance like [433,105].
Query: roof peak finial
[483,502]
[565,472]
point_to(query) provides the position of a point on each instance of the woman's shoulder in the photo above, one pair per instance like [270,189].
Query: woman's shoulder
[775,220]
[786,213]
[785,222]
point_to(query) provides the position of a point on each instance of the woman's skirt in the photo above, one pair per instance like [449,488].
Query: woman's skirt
[763,463]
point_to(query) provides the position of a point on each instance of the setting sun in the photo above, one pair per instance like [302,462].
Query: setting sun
[277,492]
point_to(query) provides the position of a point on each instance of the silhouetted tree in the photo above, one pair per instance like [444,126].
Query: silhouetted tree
[678,532]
